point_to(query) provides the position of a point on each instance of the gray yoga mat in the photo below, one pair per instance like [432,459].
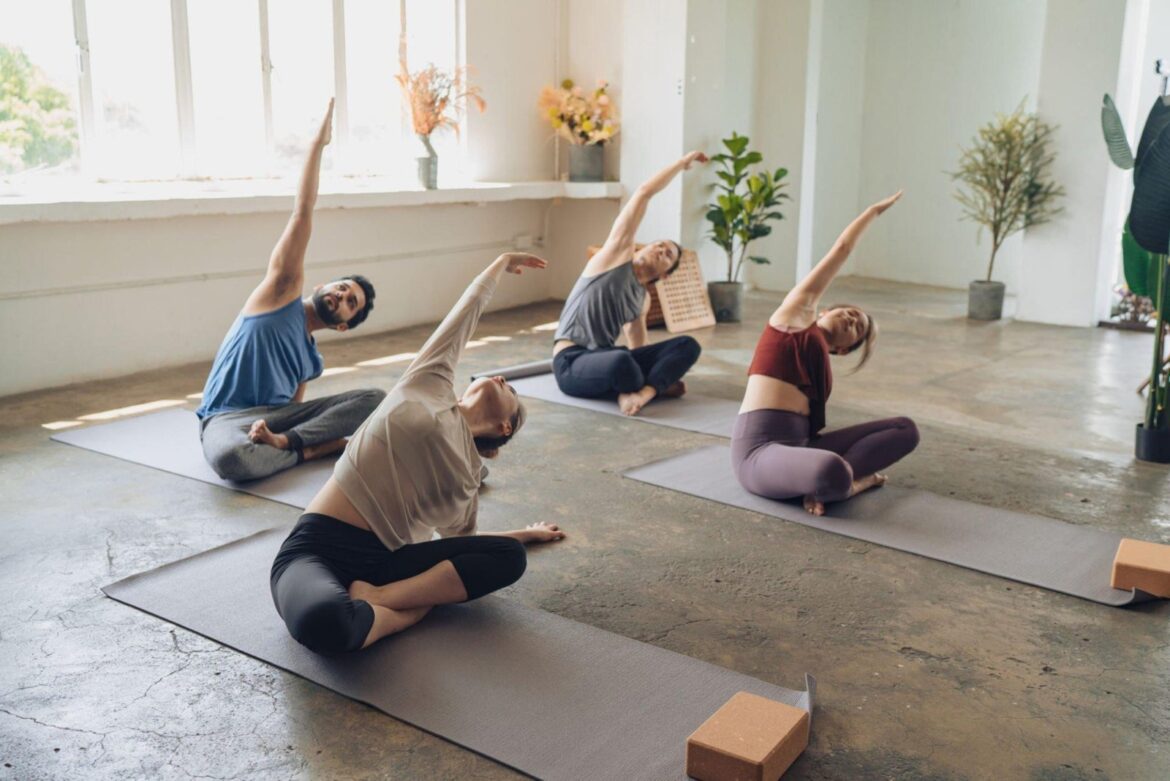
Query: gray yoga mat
[693,412]
[169,440]
[1032,549]
[542,694]
[520,370]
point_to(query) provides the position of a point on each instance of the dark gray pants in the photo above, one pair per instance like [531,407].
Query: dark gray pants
[234,457]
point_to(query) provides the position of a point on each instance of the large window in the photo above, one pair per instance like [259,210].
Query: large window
[39,131]
[156,90]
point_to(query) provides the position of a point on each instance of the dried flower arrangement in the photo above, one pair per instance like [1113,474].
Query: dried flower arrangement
[436,97]
[581,118]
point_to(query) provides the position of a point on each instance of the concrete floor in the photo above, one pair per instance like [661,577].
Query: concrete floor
[925,670]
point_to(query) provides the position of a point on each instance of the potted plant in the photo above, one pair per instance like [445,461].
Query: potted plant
[744,203]
[586,120]
[436,98]
[1145,246]
[1005,187]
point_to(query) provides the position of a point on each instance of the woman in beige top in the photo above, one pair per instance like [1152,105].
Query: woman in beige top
[361,564]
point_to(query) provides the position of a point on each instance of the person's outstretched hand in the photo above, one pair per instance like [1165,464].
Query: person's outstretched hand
[325,134]
[882,205]
[518,261]
[692,158]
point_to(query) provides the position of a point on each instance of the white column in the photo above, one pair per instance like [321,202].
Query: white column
[1059,277]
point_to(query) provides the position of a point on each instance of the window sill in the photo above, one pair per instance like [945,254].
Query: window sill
[160,200]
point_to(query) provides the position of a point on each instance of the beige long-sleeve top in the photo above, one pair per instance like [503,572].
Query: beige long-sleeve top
[412,468]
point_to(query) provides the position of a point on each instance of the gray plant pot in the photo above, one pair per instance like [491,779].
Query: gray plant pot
[985,300]
[428,166]
[586,163]
[726,300]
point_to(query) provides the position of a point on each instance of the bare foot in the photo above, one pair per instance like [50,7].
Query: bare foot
[876,480]
[813,506]
[676,390]
[262,435]
[632,403]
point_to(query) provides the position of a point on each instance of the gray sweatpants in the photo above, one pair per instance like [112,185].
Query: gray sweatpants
[234,457]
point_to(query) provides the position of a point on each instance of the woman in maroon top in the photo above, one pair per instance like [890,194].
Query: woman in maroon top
[777,447]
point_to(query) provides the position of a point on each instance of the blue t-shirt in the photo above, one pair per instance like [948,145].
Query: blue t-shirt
[261,362]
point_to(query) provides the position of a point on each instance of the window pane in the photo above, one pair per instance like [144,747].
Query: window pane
[134,89]
[228,87]
[375,100]
[39,128]
[430,39]
[430,33]
[300,40]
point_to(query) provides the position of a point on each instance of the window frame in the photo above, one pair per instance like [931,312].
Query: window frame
[184,87]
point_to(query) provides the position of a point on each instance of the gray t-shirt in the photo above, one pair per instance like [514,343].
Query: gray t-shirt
[599,306]
[412,468]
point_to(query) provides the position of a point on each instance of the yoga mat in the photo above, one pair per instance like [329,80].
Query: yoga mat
[542,694]
[169,440]
[1032,549]
[693,412]
[519,371]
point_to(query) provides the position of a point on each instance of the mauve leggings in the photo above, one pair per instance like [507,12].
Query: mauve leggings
[774,457]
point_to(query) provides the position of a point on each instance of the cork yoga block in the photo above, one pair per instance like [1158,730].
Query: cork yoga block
[750,738]
[1142,565]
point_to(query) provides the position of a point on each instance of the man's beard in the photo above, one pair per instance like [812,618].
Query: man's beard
[327,315]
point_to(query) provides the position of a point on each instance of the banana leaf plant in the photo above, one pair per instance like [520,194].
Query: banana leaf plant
[1145,243]
[744,203]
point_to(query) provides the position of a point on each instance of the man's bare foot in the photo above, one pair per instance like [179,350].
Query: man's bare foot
[876,480]
[676,390]
[813,506]
[262,435]
[632,403]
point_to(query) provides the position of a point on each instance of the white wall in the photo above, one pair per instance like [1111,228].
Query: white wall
[720,81]
[782,47]
[935,72]
[839,123]
[593,35]
[511,47]
[653,71]
[1059,278]
[110,298]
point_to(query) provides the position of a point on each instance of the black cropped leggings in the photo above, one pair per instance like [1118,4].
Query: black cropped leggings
[606,372]
[322,556]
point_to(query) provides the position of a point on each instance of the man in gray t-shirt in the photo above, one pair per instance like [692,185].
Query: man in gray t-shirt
[612,296]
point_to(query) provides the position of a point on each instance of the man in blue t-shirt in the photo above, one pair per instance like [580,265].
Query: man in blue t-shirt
[254,418]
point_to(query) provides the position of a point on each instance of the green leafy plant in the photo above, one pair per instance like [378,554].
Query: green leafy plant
[37,127]
[745,201]
[1145,243]
[1004,177]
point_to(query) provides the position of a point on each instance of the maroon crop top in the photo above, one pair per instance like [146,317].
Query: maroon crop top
[800,358]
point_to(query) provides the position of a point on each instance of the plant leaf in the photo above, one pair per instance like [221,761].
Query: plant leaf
[1149,212]
[1156,122]
[736,144]
[760,260]
[1115,138]
[1141,267]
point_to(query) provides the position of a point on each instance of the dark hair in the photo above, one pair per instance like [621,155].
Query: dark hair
[677,260]
[368,289]
[488,444]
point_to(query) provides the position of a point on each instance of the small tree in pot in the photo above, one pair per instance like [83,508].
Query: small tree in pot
[744,203]
[1005,187]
